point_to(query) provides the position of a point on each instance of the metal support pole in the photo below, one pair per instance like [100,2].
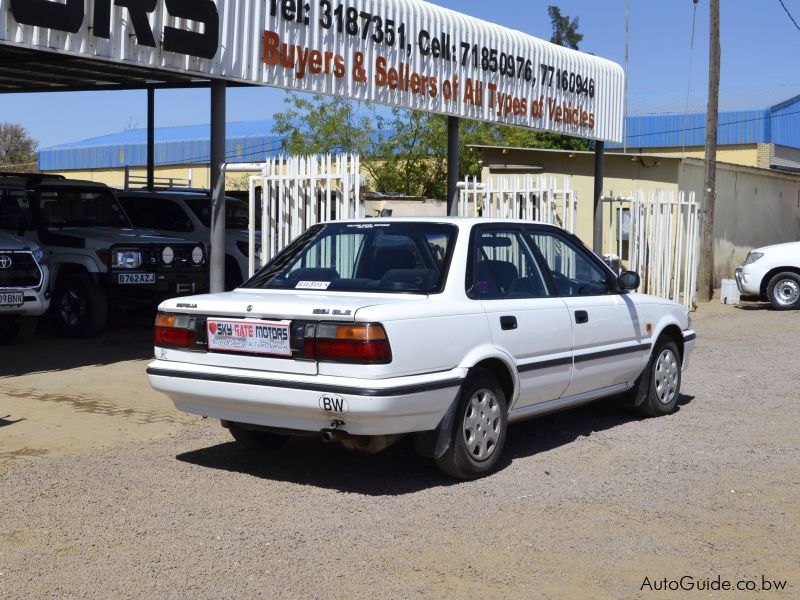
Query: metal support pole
[453,148]
[151,138]
[217,260]
[599,156]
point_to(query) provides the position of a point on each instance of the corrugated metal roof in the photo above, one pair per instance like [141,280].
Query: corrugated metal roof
[247,141]
[779,124]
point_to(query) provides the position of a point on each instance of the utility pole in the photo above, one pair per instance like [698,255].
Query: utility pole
[706,275]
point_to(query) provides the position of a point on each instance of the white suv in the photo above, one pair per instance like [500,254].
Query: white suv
[445,329]
[24,294]
[773,273]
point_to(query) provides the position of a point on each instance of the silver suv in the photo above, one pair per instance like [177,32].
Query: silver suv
[97,259]
[24,294]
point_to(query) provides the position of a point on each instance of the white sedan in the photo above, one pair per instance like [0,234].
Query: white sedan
[445,329]
[773,273]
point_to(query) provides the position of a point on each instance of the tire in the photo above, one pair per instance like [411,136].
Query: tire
[658,388]
[783,291]
[478,432]
[253,439]
[81,306]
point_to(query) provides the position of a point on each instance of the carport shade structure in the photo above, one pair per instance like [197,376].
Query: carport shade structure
[405,53]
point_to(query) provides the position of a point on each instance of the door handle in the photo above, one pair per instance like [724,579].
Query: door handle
[508,323]
[581,317]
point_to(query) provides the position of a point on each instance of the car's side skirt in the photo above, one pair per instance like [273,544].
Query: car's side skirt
[551,406]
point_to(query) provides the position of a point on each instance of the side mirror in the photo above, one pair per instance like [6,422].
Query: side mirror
[629,281]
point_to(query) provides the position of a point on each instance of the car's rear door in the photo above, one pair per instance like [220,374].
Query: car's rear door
[608,347]
[526,320]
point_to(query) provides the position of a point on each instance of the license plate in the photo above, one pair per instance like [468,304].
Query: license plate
[250,337]
[11,299]
[136,278]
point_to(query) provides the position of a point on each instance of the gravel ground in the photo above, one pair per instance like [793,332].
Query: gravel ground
[588,502]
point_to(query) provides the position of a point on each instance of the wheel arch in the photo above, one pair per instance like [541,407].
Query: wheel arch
[772,273]
[674,333]
[504,375]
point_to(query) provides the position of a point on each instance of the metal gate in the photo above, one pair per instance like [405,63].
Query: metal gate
[526,197]
[292,194]
[657,236]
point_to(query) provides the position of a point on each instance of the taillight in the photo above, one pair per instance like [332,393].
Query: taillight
[362,344]
[175,331]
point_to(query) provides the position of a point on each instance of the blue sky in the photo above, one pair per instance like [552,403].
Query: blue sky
[760,47]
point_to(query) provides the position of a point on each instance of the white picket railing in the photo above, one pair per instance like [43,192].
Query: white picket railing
[526,197]
[298,192]
[662,235]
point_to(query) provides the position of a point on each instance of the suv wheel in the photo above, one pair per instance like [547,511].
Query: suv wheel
[783,291]
[479,428]
[81,306]
[658,388]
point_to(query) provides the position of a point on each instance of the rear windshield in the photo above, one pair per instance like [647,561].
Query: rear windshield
[363,257]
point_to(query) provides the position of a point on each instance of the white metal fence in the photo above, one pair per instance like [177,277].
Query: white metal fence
[527,197]
[657,235]
[294,193]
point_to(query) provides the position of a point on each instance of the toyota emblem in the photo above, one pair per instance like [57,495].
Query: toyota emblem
[6,262]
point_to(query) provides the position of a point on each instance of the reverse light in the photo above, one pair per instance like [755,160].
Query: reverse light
[175,331]
[360,344]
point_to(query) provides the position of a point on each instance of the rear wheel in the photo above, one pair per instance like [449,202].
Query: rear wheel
[81,306]
[254,439]
[479,428]
[783,291]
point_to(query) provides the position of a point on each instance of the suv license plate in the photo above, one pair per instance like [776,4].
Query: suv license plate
[136,278]
[11,299]
[251,337]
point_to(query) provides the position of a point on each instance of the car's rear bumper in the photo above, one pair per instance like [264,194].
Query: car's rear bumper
[309,403]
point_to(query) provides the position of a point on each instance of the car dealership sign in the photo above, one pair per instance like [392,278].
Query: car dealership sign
[405,53]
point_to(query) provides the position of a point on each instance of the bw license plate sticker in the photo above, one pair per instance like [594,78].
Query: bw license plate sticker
[11,299]
[251,337]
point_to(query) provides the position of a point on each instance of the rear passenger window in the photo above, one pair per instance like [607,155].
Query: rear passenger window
[504,267]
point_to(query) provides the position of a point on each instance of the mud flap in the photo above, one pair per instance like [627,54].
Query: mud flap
[433,444]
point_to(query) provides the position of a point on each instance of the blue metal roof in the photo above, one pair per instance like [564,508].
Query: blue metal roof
[779,124]
[247,141]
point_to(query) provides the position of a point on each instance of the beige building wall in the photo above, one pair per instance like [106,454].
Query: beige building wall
[199,176]
[749,155]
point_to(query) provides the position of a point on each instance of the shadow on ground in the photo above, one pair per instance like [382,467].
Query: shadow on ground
[128,336]
[399,470]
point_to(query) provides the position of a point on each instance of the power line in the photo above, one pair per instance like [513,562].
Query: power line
[789,15]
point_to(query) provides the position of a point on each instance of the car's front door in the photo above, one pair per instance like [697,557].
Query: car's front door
[607,334]
[527,321]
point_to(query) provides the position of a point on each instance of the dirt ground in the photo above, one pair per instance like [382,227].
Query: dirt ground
[107,491]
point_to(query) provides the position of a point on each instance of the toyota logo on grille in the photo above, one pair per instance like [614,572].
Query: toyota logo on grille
[6,262]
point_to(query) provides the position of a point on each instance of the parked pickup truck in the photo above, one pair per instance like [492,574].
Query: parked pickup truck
[97,259]
[773,274]
[443,329]
[24,294]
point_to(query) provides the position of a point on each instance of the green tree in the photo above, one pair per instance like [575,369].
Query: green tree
[565,31]
[17,148]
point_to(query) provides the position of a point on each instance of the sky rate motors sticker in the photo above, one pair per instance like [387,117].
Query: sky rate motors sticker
[252,337]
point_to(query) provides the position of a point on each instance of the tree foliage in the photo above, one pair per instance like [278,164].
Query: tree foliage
[565,31]
[17,148]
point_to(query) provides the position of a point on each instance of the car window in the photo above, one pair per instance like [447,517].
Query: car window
[67,207]
[157,213]
[505,267]
[14,210]
[396,257]
[574,272]
[237,212]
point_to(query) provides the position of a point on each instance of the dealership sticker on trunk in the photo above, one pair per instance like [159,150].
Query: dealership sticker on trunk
[251,337]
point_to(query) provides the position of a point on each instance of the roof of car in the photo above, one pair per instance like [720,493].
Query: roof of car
[460,221]
[171,194]
[22,180]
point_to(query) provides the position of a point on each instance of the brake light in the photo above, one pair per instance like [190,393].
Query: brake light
[174,331]
[361,344]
